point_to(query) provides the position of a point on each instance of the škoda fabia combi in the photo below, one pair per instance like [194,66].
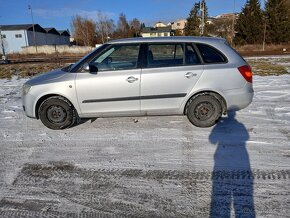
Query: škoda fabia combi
[199,77]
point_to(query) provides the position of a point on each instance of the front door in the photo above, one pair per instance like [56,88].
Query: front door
[115,88]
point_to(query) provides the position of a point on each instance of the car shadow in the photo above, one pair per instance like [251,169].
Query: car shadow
[82,121]
[232,178]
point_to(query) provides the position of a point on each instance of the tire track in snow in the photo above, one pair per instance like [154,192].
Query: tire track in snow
[36,172]
[124,192]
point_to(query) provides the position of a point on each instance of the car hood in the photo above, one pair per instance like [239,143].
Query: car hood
[52,76]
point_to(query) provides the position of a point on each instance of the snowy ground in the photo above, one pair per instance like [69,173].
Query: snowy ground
[157,167]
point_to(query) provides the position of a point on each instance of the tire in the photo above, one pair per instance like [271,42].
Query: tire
[57,113]
[204,110]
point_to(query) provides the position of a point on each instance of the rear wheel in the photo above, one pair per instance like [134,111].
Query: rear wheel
[57,113]
[204,110]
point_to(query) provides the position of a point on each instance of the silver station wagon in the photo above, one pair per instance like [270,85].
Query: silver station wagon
[199,77]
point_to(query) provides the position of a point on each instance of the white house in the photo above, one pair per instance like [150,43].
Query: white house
[17,36]
[156,31]
[159,24]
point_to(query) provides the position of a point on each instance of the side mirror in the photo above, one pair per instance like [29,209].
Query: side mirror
[90,68]
[86,67]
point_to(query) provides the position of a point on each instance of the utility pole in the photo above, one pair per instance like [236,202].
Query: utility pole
[2,44]
[4,57]
[265,29]
[264,39]
[34,38]
[233,24]
[202,17]
[200,7]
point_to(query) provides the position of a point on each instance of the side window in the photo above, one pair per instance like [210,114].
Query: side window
[191,57]
[117,57]
[210,55]
[164,55]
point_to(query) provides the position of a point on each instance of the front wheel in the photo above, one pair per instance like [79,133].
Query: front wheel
[57,113]
[204,110]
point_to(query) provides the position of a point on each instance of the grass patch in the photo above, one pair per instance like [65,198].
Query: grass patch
[257,49]
[27,69]
[264,68]
[260,66]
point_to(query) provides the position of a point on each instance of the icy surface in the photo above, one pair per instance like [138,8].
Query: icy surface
[158,166]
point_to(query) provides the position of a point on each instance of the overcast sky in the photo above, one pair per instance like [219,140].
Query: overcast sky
[58,13]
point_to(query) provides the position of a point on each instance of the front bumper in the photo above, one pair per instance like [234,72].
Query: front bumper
[28,104]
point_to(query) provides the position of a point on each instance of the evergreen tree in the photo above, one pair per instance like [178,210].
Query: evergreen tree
[278,21]
[192,25]
[250,24]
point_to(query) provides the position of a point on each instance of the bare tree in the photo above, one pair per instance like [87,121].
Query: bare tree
[105,26]
[123,28]
[136,26]
[222,27]
[76,26]
[84,31]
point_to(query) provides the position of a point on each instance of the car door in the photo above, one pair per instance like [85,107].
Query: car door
[170,72]
[115,88]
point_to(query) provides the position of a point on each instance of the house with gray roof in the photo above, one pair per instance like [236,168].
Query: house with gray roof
[15,37]
[157,31]
[64,37]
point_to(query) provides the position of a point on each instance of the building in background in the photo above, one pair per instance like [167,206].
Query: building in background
[161,30]
[159,24]
[17,36]
[226,16]
[52,36]
[64,38]
[157,31]
[179,25]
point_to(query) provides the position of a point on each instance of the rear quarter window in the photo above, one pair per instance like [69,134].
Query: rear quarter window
[211,55]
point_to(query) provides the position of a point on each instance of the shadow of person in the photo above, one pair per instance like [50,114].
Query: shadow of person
[232,179]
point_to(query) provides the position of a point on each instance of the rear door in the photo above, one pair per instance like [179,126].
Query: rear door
[169,74]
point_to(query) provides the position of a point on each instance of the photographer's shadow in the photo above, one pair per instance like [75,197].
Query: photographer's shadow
[232,179]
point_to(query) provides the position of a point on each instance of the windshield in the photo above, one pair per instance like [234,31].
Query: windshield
[76,65]
[67,68]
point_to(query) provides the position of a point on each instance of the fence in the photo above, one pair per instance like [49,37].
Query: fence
[51,49]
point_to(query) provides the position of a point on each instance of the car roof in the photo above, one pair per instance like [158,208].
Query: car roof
[167,39]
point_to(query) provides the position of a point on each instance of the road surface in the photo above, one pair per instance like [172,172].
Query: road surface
[149,166]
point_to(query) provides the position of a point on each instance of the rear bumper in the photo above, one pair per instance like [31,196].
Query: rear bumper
[239,98]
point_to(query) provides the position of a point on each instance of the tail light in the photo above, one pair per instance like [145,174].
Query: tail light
[246,72]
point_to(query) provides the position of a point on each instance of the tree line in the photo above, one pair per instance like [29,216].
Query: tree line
[252,25]
[88,32]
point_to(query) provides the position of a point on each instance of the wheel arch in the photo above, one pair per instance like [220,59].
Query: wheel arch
[217,95]
[43,98]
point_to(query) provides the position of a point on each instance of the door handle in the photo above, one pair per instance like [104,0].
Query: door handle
[189,75]
[131,79]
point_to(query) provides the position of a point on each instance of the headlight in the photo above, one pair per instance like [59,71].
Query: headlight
[25,89]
